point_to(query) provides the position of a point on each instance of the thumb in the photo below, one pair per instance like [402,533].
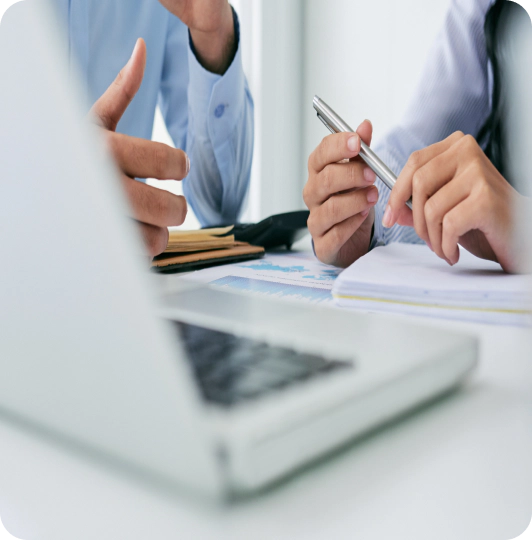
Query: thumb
[116,99]
[365,130]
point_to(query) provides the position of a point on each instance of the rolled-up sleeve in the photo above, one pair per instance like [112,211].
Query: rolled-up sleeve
[213,122]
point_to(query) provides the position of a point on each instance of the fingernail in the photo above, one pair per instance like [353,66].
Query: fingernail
[387,218]
[354,144]
[132,54]
[369,176]
[366,120]
[430,245]
[373,196]
[134,50]
[188,164]
[365,213]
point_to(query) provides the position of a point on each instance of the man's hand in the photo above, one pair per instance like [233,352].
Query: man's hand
[458,197]
[212,30]
[154,209]
[341,196]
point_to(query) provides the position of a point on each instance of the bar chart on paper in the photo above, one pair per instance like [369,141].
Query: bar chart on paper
[292,277]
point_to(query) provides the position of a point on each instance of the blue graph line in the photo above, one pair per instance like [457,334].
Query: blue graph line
[325,275]
[274,267]
[280,290]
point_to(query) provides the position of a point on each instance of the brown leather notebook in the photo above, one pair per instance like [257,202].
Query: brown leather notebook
[171,263]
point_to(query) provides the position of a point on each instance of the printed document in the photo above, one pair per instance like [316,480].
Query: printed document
[294,276]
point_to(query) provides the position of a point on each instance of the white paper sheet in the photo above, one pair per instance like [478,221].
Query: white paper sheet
[410,279]
[295,276]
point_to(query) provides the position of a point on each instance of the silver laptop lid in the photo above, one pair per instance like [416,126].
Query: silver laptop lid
[81,353]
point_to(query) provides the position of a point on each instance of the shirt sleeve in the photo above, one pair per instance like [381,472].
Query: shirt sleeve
[453,95]
[211,117]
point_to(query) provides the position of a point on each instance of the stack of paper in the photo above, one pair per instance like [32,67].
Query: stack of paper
[180,241]
[192,250]
[410,279]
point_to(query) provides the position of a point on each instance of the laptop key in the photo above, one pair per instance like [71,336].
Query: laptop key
[230,369]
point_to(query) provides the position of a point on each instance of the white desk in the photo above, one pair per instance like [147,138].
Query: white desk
[460,469]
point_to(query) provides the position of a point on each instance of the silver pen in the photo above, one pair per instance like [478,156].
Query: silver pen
[335,124]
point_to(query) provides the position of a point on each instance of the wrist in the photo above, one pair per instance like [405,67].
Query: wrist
[215,50]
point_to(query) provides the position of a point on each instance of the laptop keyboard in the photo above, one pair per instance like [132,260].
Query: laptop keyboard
[232,369]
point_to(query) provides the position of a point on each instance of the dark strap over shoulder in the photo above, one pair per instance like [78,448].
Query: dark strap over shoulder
[491,131]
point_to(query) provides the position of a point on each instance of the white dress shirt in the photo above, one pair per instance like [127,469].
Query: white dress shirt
[454,94]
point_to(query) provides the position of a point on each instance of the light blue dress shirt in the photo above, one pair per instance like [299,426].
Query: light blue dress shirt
[454,94]
[208,115]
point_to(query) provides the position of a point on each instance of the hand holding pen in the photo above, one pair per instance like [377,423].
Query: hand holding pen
[341,196]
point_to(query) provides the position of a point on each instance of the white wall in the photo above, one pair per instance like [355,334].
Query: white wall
[272,40]
[364,58]
[272,46]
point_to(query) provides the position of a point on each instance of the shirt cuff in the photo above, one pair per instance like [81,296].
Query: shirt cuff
[379,232]
[398,233]
[216,101]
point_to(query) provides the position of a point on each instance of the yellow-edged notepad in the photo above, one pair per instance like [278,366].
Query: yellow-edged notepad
[411,279]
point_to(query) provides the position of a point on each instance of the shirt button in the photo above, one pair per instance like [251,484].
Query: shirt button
[219,111]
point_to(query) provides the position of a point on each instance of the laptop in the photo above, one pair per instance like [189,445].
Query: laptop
[212,392]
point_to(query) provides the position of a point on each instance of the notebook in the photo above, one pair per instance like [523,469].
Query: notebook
[411,279]
[193,250]
[182,241]
[171,263]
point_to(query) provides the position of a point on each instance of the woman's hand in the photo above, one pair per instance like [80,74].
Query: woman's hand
[341,196]
[458,197]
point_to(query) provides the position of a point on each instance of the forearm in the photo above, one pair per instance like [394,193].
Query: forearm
[219,178]
[216,49]
[219,141]
[453,95]
[211,118]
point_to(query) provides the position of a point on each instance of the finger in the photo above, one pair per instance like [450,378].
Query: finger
[339,208]
[140,158]
[460,220]
[155,238]
[405,217]
[113,103]
[365,130]
[332,149]
[426,182]
[155,206]
[438,206]
[328,246]
[403,188]
[336,178]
